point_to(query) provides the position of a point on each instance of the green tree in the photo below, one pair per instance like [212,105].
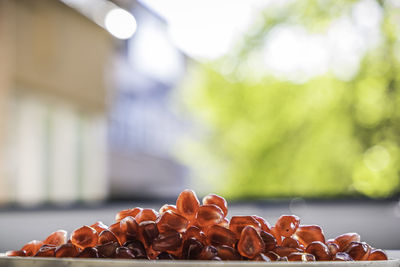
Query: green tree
[324,137]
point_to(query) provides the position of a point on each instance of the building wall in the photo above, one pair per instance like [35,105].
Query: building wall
[53,93]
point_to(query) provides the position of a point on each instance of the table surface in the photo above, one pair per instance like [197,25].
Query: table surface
[70,262]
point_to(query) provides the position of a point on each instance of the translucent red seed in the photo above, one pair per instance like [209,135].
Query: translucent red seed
[218,235]
[66,250]
[146,215]
[89,252]
[237,224]
[115,228]
[191,249]
[148,231]
[208,215]
[218,201]
[264,224]
[57,238]
[170,220]
[107,250]
[99,226]
[167,241]
[268,240]
[168,207]
[129,227]
[377,255]
[84,237]
[46,251]
[227,253]
[290,243]
[319,250]
[262,257]
[32,247]
[300,256]
[358,251]
[250,243]
[307,234]
[287,225]
[342,256]
[344,240]
[187,203]
[128,212]
[106,237]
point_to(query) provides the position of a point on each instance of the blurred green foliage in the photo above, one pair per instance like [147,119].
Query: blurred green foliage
[325,137]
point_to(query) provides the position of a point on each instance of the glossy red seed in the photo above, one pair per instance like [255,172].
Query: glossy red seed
[148,231]
[218,201]
[66,250]
[237,224]
[272,255]
[277,236]
[151,253]
[165,256]
[129,227]
[137,249]
[46,251]
[299,256]
[332,247]
[194,232]
[283,259]
[227,253]
[106,237]
[88,252]
[57,238]
[191,249]
[284,251]
[115,228]
[264,224]
[128,212]
[99,226]
[208,215]
[84,237]
[167,241]
[269,241]
[146,215]
[290,243]
[261,257]
[377,255]
[358,251]
[16,253]
[208,253]
[170,220]
[218,235]
[319,250]
[306,234]
[124,253]
[224,223]
[287,225]
[344,240]
[32,247]
[107,250]
[168,207]
[342,256]
[250,243]
[187,203]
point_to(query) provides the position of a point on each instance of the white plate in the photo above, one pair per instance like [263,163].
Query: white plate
[70,262]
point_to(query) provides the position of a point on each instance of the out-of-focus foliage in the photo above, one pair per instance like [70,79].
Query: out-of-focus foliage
[325,137]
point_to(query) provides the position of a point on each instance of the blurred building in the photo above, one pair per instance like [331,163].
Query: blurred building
[53,103]
[85,116]
[143,128]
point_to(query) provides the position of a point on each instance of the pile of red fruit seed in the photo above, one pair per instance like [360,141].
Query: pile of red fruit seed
[190,231]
